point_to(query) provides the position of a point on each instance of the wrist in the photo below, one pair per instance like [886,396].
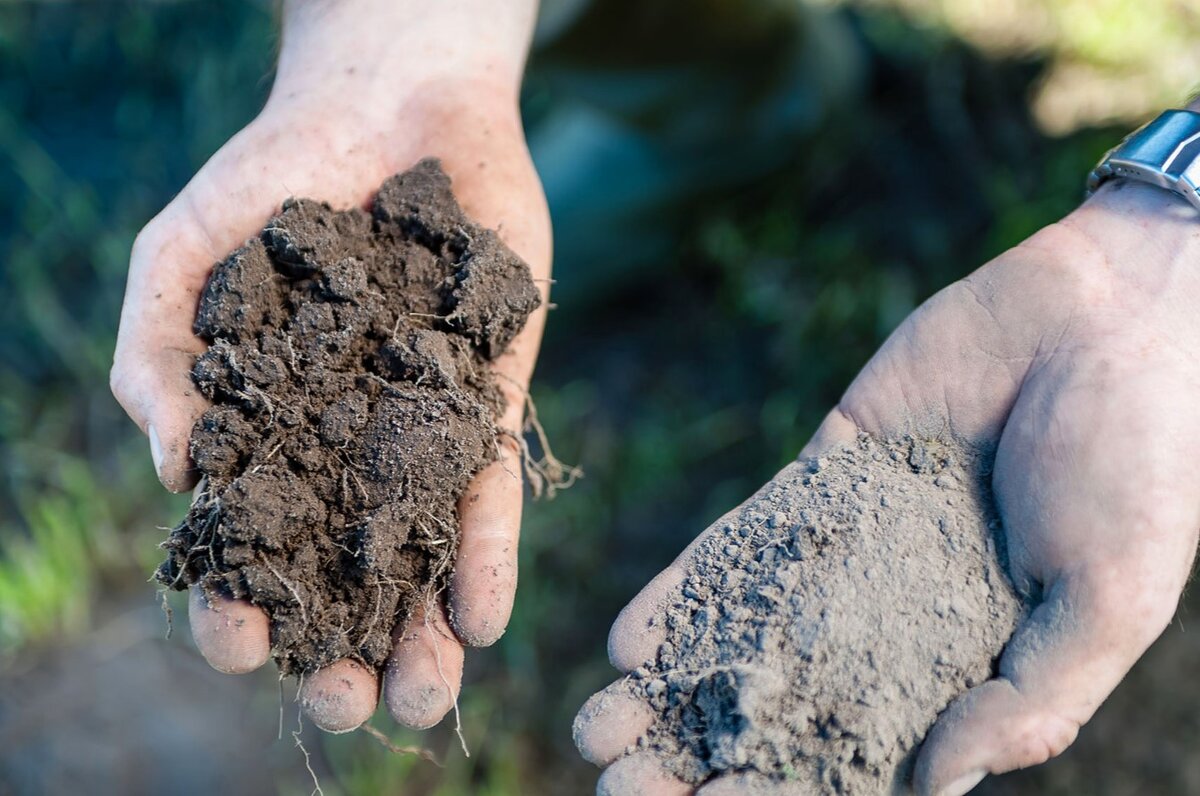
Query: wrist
[1145,239]
[372,58]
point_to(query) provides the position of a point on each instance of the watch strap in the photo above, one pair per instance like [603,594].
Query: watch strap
[1165,152]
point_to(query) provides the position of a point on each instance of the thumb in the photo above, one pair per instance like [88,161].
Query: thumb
[1060,665]
[152,364]
[156,390]
[1095,481]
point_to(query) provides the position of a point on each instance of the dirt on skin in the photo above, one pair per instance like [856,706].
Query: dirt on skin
[352,403]
[826,622]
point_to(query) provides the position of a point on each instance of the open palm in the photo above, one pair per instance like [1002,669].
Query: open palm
[341,155]
[1075,357]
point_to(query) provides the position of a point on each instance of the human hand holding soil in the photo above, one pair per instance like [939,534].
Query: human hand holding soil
[1074,358]
[364,90]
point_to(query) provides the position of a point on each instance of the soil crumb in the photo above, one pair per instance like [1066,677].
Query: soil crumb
[352,403]
[825,623]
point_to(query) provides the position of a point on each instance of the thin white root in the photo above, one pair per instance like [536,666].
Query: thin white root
[548,474]
[168,610]
[300,744]
[292,589]
[437,656]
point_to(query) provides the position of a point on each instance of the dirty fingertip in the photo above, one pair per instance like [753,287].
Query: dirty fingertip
[424,674]
[640,775]
[484,580]
[609,723]
[232,635]
[341,696]
[640,630]
[168,440]
[475,625]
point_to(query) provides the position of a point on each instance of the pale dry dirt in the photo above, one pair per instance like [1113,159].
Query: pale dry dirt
[825,623]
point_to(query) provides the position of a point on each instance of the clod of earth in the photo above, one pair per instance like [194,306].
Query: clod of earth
[352,403]
[824,624]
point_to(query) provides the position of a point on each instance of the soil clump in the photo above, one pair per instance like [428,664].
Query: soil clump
[352,403]
[825,623]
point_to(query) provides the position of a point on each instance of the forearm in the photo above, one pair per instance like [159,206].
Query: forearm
[387,49]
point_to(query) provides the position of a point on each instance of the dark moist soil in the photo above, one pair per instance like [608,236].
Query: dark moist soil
[352,404]
[825,623]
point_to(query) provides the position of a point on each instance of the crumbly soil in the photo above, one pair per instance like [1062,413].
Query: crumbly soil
[825,623]
[352,403]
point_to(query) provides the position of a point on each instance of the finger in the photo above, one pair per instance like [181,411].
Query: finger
[151,373]
[224,204]
[484,582]
[609,723]
[640,628]
[1056,671]
[424,674]
[341,696]
[837,430]
[640,774]
[1105,523]
[232,635]
[156,391]
[639,631]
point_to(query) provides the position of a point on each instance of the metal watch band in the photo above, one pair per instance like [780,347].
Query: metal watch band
[1165,152]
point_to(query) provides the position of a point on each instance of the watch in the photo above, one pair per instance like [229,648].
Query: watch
[1165,152]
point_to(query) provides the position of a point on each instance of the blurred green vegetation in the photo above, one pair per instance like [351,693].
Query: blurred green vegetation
[1106,61]
[106,110]
[678,390]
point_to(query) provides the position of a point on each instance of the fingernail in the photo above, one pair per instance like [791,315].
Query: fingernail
[155,449]
[963,784]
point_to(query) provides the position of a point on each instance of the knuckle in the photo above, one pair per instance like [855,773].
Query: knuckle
[510,445]
[1060,733]
[1046,736]
[120,379]
[146,242]
[116,379]
[130,379]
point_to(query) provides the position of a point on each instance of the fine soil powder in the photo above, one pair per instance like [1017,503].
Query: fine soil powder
[352,403]
[825,623]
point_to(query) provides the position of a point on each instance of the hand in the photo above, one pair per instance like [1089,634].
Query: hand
[1077,354]
[362,92]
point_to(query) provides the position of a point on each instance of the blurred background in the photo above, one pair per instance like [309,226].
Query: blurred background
[748,196]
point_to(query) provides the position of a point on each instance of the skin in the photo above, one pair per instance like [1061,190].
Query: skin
[1074,353]
[1078,354]
[364,89]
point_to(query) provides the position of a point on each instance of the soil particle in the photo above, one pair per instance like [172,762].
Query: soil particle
[824,625]
[352,404]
